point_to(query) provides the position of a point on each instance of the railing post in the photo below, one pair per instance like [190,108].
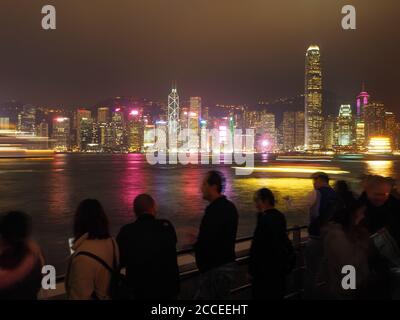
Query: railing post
[298,276]
[296,237]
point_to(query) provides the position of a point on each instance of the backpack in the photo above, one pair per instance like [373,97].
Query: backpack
[119,289]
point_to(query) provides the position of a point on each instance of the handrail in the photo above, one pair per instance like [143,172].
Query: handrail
[190,250]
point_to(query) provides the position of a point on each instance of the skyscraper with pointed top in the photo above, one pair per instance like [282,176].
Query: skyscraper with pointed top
[173,113]
[313,99]
[361,104]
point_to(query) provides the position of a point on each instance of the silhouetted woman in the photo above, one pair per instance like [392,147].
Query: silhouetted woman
[87,278]
[346,242]
[345,195]
[21,260]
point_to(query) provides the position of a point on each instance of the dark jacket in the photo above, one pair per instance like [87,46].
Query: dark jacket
[148,251]
[328,204]
[269,248]
[386,216]
[215,244]
[23,273]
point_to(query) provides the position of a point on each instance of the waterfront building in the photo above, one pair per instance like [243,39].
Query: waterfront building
[313,99]
[61,134]
[345,126]
[27,120]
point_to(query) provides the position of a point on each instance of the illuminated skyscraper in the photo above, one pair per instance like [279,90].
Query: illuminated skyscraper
[4,123]
[194,123]
[374,119]
[360,135]
[293,131]
[135,130]
[103,127]
[299,130]
[42,131]
[83,128]
[345,125]
[102,115]
[391,127]
[117,139]
[173,114]
[313,99]
[61,134]
[267,128]
[288,131]
[362,101]
[195,107]
[149,137]
[329,132]
[27,120]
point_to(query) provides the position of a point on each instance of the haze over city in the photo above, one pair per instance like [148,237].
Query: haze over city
[227,52]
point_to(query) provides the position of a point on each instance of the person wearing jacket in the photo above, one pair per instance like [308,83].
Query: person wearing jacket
[269,249]
[215,246]
[87,278]
[346,242]
[324,203]
[148,252]
[21,259]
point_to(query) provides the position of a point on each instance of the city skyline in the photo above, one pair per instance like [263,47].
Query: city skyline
[135,52]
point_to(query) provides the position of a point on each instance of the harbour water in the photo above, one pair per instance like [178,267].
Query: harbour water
[50,190]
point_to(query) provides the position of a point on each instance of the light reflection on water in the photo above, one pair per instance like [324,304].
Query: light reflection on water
[50,190]
[381,167]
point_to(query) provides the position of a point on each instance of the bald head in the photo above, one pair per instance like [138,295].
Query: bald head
[378,190]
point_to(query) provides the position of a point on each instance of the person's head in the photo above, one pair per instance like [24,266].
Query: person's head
[320,179]
[90,218]
[378,191]
[365,181]
[213,185]
[349,216]
[15,232]
[341,187]
[143,204]
[264,199]
[15,228]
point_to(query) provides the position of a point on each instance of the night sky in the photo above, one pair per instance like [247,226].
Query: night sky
[227,51]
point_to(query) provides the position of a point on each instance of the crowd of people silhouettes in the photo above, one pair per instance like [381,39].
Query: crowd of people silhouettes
[344,229]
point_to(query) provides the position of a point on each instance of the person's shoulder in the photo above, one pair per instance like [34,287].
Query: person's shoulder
[229,204]
[126,229]
[164,223]
[273,215]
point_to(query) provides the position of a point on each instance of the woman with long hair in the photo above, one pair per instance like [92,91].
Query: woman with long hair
[88,277]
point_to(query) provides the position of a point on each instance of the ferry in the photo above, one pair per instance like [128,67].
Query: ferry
[12,147]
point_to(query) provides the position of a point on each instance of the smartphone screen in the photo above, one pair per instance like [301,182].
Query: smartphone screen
[70,244]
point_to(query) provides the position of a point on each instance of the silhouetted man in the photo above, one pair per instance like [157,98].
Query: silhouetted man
[148,251]
[271,254]
[382,220]
[382,208]
[215,246]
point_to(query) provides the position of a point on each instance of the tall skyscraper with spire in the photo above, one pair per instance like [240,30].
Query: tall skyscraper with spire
[313,99]
[173,115]
[361,104]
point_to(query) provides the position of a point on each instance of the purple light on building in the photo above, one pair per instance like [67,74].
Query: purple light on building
[362,101]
